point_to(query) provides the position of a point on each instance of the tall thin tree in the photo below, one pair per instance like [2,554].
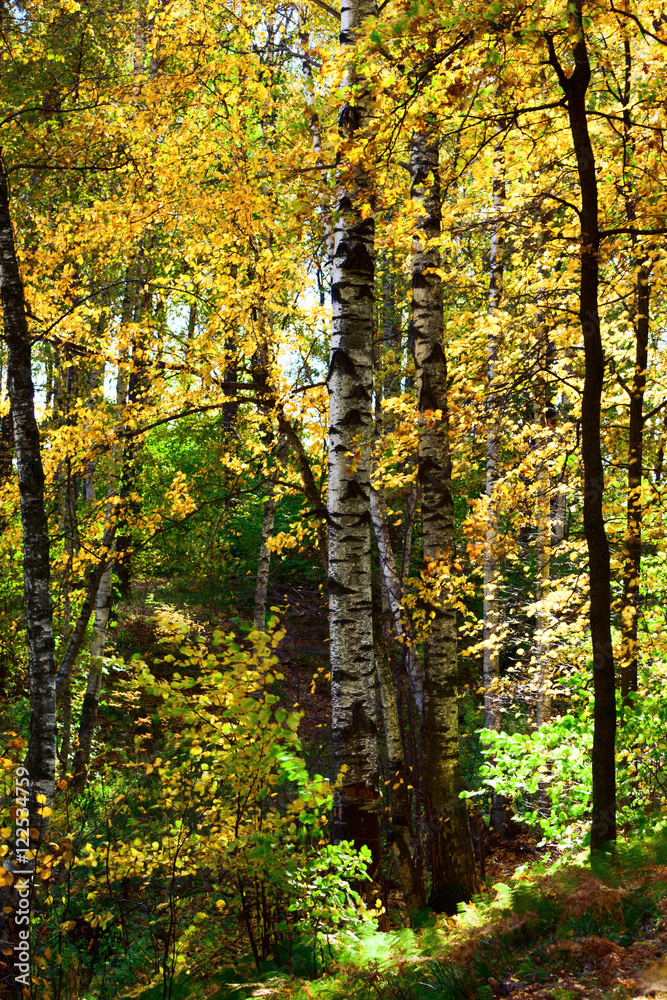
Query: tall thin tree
[453,875]
[575,88]
[350,383]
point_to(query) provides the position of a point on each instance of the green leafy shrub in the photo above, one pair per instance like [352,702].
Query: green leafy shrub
[220,848]
[546,774]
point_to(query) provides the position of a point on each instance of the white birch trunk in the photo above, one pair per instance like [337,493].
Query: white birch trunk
[450,847]
[350,383]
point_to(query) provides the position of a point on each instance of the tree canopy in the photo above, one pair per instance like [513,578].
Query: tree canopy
[332,472]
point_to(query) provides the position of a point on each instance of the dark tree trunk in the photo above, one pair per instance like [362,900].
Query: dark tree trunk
[603,828]
[135,306]
[630,605]
[492,637]
[6,447]
[633,550]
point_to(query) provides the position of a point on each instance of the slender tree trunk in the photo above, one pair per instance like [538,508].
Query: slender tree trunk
[559,506]
[6,447]
[408,528]
[92,586]
[603,828]
[264,561]
[492,640]
[67,488]
[136,305]
[395,631]
[6,452]
[393,588]
[230,409]
[543,525]
[453,872]
[310,487]
[91,698]
[41,756]
[315,131]
[350,382]
[630,605]
[660,456]
[633,539]
[399,779]
[40,761]
[392,583]
[103,600]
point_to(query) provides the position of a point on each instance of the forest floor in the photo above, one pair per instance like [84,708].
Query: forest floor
[542,928]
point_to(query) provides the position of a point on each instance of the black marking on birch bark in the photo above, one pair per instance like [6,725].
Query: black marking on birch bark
[420,280]
[354,491]
[352,418]
[336,588]
[426,397]
[436,356]
[348,118]
[357,259]
[430,473]
[360,392]
[341,363]
[363,519]
[345,204]
[359,292]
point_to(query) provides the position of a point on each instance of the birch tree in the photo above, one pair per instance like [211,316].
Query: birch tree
[350,382]
[451,858]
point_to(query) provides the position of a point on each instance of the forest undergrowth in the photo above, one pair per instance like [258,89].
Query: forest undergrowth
[168,879]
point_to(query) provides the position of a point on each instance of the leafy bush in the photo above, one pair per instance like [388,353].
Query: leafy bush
[221,846]
[546,774]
